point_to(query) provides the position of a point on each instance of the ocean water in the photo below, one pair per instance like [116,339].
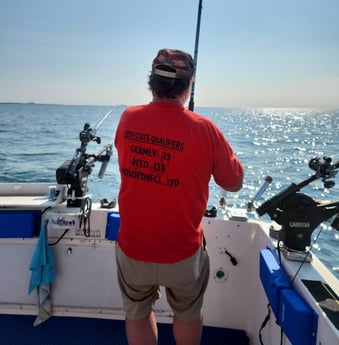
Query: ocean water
[35,139]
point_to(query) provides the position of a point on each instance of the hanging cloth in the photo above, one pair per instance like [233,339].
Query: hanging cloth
[42,274]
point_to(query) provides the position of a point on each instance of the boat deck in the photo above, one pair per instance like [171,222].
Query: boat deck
[19,330]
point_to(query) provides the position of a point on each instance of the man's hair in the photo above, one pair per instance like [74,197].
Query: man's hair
[164,87]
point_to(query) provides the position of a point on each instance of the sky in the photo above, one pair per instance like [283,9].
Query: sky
[251,53]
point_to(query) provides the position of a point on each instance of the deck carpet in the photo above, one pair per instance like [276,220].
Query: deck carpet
[19,330]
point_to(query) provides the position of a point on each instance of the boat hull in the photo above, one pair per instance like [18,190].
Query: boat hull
[85,294]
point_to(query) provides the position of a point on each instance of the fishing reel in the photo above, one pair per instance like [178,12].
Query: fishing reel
[299,214]
[75,172]
[324,169]
[87,135]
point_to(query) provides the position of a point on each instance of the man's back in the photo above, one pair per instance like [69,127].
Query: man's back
[167,155]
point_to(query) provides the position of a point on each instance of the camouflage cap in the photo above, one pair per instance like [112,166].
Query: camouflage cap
[181,63]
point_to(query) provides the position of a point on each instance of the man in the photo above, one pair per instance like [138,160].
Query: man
[167,155]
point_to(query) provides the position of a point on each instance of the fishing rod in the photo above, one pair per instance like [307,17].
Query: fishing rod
[75,172]
[222,202]
[104,118]
[197,34]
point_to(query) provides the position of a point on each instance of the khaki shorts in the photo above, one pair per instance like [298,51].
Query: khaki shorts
[185,283]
